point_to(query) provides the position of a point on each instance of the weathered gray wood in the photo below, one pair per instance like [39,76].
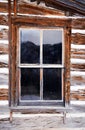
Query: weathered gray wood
[37,109]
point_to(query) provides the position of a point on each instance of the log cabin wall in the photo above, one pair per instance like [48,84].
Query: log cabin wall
[77,66]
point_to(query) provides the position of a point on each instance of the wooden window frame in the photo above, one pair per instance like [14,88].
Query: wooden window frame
[40,66]
[38,22]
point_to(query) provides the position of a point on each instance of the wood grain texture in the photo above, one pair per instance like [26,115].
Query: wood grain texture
[3,7]
[4,34]
[78,23]
[3,20]
[41,21]
[77,51]
[67,35]
[3,94]
[26,8]
[3,48]
[80,67]
[78,39]
[78,95]
[77,80]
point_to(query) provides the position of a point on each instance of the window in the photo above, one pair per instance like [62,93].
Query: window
[41,64]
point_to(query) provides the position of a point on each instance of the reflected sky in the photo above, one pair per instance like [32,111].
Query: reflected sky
[33,35]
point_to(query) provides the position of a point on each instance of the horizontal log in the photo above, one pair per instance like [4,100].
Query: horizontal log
[26,8]
[78,56]
[3,20]
[50,21]
[77,80]
[36,21]
[78,23]
[4,98]
[3,7]
[3,48]
[78,39]
[3,34]
[78,67]
[77,96]
[78,51]
[3,94]
[2,65]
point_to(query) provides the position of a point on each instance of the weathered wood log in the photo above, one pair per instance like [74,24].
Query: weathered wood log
[78,67]
[41,21]
[78,56]
[3,7]
[78,95]
[26,8]
[2,65]
[77,51]
[77,80]
[4,34]
[3,94]
[3,20]
[3,48]
[78,39]
[49,21]
[78,23]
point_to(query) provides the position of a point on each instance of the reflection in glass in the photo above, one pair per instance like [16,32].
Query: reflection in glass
[52,46]
[30,46]
[30,84]
[52,84]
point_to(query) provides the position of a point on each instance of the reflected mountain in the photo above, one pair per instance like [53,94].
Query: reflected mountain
[30,78]
[30,53]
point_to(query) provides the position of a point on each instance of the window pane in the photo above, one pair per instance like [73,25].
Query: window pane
[30,46]
[52,84]
[52,46]
[30,84]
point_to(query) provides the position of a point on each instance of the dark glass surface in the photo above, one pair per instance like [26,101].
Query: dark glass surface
[52,47]
[52,84]
[30,46]
[30,84]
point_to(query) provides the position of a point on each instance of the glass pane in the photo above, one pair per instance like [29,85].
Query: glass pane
[52,84]
[52,46]
[30,46]
[30,84]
